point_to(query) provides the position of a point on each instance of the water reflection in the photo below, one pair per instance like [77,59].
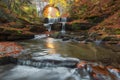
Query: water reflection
[79,50]
[51,44]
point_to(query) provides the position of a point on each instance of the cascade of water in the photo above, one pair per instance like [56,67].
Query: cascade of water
[39,6]
[50,22]
[63,21]
[55,20]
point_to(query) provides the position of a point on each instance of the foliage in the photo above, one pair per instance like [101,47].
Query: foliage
[88,8]
[77,10]
[76,26]
[23,9]
[63,3]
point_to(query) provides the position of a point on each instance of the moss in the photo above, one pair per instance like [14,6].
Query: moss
[117,31]
[75,26]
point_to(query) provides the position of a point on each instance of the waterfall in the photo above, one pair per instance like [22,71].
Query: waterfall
[39,6]
[63,21]
[50,22]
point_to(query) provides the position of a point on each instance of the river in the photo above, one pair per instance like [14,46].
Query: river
[56,49]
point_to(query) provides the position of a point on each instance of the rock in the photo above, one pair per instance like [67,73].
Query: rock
[60,36]
[49,61]
[20,37]
[98,72]
[81,38]
[56,26]
[89,40]
[55,35]
[111,38]
[8,60]
[66,39]
[106,61]
[8,36]
[114,71]
[37,28]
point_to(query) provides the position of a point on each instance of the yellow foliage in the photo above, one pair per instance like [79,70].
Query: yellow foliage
[26,8]
[63,3]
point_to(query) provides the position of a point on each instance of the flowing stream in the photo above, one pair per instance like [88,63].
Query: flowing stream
[51,21]
[48,50]
[63,21]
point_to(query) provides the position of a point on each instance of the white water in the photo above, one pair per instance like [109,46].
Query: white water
[40,36]
[63,21]
[39,6]
[50,22]
[30,73]
[63,28]
[56,20]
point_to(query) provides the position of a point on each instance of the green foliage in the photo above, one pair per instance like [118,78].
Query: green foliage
[119,14]
[19,32]
[23,9]
[75,26]
[117,31]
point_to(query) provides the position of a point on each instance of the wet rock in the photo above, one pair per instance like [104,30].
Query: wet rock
[3,37]
[56,26]
[37,28]
[8,60]
[89,40]
[42,63]
[46,20]
[13,37]
[115,72]
[49,61]
[66,39]
[111,38]
[81,38]
[20,37]
[56,35]
[98,72]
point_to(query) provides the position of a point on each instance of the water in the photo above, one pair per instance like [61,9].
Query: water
[51,21]
[63,21]
[42,44]
[47,58]
[39,6]
[31,73]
